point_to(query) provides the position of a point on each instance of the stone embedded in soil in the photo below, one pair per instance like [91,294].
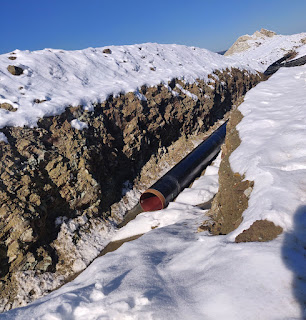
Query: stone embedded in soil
[260,230]
[14,70]
[107,51]
[8,107]
[39,101]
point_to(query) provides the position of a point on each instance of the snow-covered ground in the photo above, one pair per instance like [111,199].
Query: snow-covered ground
[54,79]
[173,272]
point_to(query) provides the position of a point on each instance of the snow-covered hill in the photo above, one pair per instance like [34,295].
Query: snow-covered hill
[265,47]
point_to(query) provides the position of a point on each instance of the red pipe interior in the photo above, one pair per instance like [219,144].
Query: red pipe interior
[150,202]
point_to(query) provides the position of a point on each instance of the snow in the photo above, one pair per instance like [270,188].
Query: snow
[3,137]
[187,93]
[79,125]
[175,273]
[264,51]
[140,96]
[59,78]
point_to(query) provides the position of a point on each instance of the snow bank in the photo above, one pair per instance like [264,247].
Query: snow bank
[272,152]
[54,79]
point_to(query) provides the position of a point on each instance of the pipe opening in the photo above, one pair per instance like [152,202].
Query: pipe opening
[152,200]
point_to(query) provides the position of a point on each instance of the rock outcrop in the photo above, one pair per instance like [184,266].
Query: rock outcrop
[62,188]
[242,44]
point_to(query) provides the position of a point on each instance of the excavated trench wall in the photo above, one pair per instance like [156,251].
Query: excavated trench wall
[60,185]
[232,198]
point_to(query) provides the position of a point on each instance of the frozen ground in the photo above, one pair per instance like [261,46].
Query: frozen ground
[173,272]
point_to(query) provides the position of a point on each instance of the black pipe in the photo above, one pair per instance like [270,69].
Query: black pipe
[283,62]
[182,174]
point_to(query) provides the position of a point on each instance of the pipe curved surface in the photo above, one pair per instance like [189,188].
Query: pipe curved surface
[175,180]
[283,62]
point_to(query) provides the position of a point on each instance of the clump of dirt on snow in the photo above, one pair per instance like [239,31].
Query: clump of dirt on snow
[260,230]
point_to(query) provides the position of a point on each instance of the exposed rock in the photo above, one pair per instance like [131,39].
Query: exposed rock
[39,101]
[107,51]
[260,230]
[242,44]
[7,107]
[14,70]
[60,185]
[12,58]
[264,32]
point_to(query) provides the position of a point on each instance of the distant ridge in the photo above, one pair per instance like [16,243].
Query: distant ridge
[222,52]
[242,44]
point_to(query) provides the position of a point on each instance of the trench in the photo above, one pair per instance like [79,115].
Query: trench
[184,174]
[131,215]
[123,133]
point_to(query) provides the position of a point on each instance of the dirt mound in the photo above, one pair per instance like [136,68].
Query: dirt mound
[260,230]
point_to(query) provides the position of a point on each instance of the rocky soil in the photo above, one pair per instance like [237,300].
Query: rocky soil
[62,188]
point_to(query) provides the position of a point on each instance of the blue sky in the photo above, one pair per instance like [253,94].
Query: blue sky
[78,24]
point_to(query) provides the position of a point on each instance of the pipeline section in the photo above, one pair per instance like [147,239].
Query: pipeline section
[182,174]
[283,62]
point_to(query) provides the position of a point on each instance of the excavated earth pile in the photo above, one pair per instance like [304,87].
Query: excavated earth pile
[61,188]
[232,198]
